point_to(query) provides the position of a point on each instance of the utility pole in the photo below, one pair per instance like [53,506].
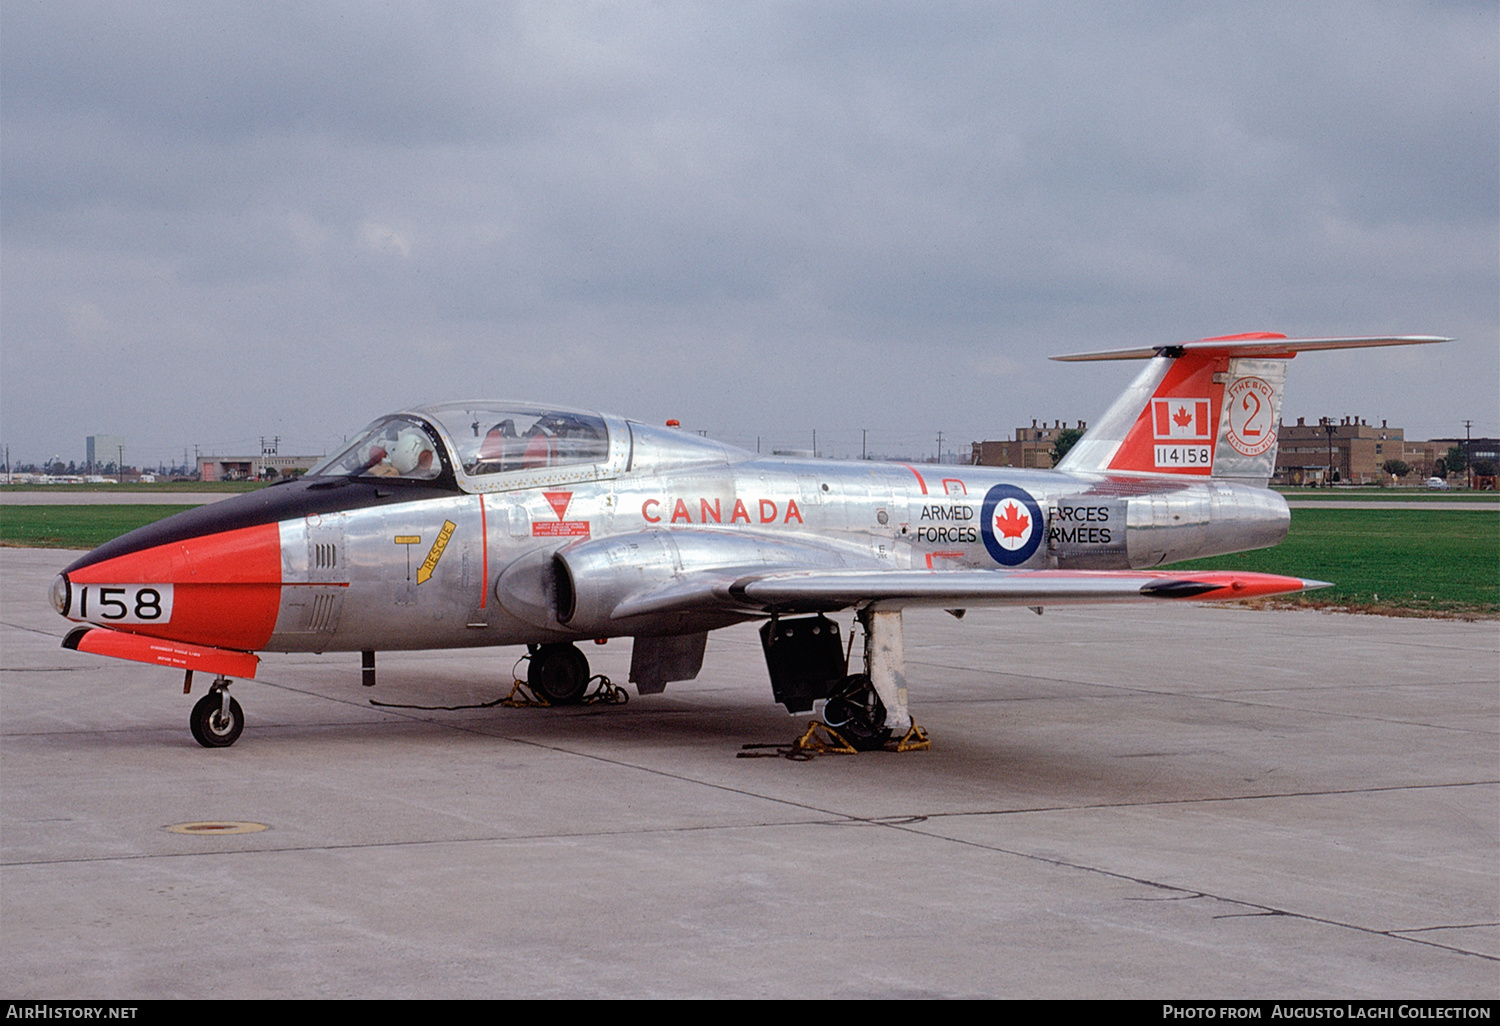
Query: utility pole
[120,466]
[1468,463]
[1330,427]
[940,447]
[864,437]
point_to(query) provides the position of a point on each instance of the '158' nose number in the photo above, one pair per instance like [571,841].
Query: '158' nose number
[123,603]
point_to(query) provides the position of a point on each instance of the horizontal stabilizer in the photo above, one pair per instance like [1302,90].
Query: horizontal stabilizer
[1262,344]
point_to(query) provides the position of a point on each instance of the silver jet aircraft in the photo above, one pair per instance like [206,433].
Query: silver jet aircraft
[495,523]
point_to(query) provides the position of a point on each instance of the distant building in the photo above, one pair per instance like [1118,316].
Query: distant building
[1353,448]
[102,450]
[1032,447]
[1477,448]
[252,468]
[1302,456]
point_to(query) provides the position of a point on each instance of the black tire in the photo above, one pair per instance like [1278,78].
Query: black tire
[210,729]
[558,673]
[857,714]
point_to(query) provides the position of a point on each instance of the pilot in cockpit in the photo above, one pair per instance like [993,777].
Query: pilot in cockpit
[411,455]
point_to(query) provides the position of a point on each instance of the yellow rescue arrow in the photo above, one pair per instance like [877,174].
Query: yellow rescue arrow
[424,572]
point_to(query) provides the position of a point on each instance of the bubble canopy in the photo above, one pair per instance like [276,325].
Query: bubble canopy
[487,438]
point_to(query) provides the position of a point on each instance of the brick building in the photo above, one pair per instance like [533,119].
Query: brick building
[1032,447]
[1353,448]
[1302,456]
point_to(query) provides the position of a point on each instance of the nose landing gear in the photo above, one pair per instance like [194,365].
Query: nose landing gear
[559,673]
[217,719]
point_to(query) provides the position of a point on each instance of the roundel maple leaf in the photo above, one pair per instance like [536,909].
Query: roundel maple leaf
[1012,525]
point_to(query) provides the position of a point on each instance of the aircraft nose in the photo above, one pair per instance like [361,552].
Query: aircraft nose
[58,593]
[220,589]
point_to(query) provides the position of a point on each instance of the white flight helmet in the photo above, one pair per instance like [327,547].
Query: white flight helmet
[406,455]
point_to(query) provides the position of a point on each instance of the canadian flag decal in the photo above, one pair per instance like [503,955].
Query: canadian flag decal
[1181,419]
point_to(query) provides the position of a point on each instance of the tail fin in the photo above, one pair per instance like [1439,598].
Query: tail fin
[1201,409]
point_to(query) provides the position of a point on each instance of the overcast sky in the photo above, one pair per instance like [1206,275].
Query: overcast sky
[223,221]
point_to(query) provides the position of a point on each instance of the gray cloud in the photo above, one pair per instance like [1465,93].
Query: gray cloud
[223,221]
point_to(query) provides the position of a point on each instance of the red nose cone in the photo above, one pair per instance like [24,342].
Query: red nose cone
[219,589]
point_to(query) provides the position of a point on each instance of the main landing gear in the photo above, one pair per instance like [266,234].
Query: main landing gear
[808,662]
[217,719]
[856,712]
[558,672]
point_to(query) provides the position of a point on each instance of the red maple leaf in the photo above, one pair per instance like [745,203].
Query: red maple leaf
[1012,525]
[1182,417]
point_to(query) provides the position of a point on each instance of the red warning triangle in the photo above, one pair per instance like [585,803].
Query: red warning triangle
[559,502]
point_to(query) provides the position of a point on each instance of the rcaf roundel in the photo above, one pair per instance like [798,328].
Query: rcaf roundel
[1011,524]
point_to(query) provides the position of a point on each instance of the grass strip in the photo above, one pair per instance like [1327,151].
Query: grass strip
[75,527]
[1400,561]
[1393,496]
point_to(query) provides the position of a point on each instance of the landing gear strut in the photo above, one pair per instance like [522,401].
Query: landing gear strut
[885,665]
[217,719]
[559,673]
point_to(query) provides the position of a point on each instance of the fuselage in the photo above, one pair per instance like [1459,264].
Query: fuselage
[463,546]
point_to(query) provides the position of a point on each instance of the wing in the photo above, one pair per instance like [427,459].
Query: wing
[978,588]
[809,591]
[655,578]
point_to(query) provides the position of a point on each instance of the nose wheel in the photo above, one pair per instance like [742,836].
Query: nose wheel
[559,673]
[217,719]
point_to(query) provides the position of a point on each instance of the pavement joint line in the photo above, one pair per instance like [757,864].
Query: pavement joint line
[1207,693]
[1116,693]
[1264,796]
[32,630]
[423,842]
[1447,926]
[1267,910]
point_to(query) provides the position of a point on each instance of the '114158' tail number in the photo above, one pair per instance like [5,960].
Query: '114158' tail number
[1184,455]
[123,603]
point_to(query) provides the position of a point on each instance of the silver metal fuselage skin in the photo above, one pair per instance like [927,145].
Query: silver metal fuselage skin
[476,567]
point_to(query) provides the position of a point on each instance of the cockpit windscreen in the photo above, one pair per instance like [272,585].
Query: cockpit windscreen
[497,439]
[392,447]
